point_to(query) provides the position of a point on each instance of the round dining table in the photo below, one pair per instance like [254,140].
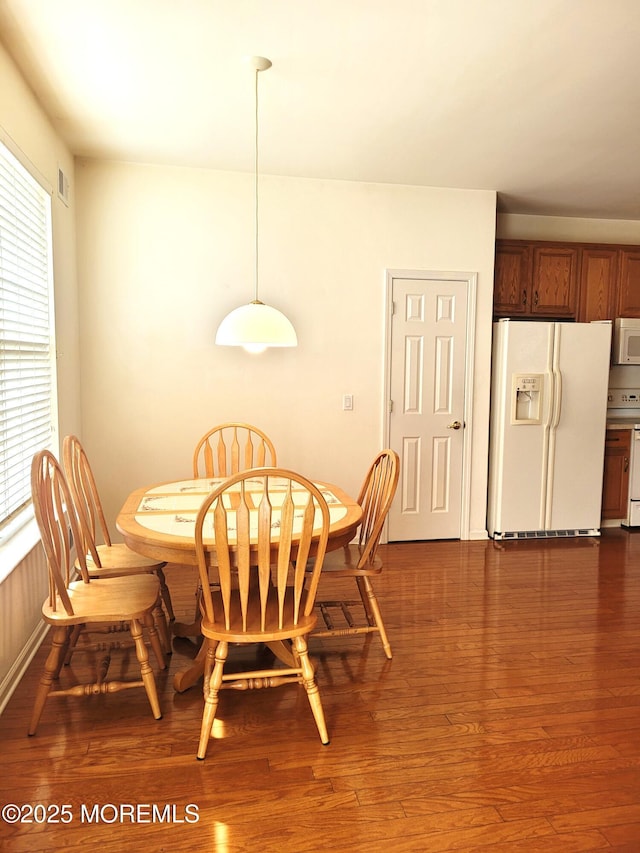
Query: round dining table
[158,521]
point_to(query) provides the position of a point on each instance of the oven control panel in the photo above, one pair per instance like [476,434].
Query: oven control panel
[624,398]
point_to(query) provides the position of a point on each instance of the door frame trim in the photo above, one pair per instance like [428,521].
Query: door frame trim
[471,281]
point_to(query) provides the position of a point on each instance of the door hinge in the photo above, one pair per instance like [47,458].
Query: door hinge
[390,406]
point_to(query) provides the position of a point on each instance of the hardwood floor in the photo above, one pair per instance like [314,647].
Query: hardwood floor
[508,720]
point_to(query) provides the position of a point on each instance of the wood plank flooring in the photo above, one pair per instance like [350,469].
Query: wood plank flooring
[508,720]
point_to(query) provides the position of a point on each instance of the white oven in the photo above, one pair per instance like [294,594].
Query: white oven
[633,519]
[623,407]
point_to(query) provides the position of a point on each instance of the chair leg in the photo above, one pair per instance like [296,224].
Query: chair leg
[72,641]
[163,630]
[145,668]
[212,697]
[166,595]
[209,662]
[155,641]
[52,667]
[311,686]
[366,600]
[371,606]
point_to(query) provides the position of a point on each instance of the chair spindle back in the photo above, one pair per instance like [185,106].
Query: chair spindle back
[232,447]
[59,528]
[288,530]
[86,497]
[375,498]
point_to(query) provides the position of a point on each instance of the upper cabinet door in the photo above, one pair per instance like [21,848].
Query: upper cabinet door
[512,279]
[598,278]
[539,279]
[629,286]
[555,277]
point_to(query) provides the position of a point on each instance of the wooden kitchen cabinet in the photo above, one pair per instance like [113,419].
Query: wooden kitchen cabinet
[615,484]
[628,302]
[535,280]
[554,284]
[544,280]
[512,279]
[598,282]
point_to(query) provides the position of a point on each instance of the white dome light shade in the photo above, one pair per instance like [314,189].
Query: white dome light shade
[255,327]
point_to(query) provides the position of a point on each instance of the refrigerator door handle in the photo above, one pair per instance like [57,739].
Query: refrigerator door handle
[556,395]
[547,435]
[557,398]
[550,399]
[556,408]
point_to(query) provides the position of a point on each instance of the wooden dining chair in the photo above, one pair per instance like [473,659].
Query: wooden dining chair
[224,450]
[360,560]
[86,602]
[232,447]
[260,548]
[106,558]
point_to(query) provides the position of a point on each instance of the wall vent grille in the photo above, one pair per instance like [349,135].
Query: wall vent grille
[63,187]
[546,534]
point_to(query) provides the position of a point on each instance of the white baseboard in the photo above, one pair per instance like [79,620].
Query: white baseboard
[479,534]
[13,677]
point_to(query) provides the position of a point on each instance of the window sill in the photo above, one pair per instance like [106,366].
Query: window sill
[17,546]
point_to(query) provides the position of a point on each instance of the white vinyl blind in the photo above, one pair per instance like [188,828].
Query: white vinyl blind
[26,331]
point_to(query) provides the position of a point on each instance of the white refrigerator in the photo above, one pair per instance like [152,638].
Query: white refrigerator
[547,429]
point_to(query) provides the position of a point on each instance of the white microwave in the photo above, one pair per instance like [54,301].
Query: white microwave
[626,340]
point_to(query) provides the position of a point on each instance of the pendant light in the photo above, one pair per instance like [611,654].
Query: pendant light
[256,326]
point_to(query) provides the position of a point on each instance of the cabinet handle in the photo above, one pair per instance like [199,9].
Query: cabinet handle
[535,298]
[626,464]
[524,297]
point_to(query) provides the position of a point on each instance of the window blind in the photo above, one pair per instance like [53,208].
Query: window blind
[26,331]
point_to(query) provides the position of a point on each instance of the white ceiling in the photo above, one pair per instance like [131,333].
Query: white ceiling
[537,99]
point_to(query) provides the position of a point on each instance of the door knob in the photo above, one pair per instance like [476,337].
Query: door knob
[455,425]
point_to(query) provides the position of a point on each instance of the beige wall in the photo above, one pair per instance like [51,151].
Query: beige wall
[165,253]
[28,133]
[521,227]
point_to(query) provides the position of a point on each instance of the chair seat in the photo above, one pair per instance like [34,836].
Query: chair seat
[344,563]
[253,632]
[116,599]
[117,559]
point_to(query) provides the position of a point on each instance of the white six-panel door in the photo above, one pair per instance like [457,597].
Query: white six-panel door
[427,405]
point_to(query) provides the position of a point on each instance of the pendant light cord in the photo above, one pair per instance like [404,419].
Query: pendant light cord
[256,190]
